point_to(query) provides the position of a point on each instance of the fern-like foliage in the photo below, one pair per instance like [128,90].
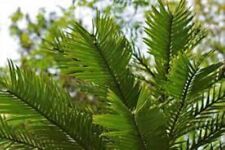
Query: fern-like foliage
[36,113]
[180,107]
[170,33]
[101,58]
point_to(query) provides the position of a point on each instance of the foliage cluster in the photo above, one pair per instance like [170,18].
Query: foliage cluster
[179,106]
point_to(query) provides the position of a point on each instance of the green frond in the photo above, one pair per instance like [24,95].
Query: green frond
[169,33]
[10,138]
[51,116]
[207,134]
[142,128]
[120,124]
[185,82]
[181,104]
[151,122]
[211,102]
[180,78]
[101,58]
[141,68]
[206,77]
[187,78]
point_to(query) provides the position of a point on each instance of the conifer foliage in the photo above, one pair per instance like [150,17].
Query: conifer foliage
[181,106]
